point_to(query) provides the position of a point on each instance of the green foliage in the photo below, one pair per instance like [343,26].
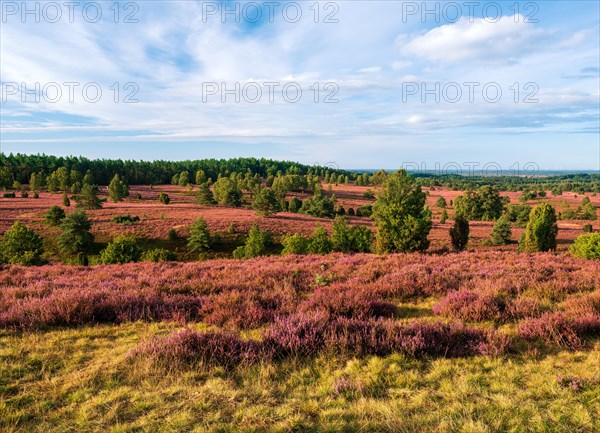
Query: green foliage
[403,221]
[341,236]
[199,240]
[365,211]
[587,228]
[483,205]
[21,246]
[459,234]
[227,193]
[368,194]
[184,179]
[501,232]
[320,242]
[55,215]
[172,234]
[164,198]
[204,195]
[586,246]
[441,202]
[444,216]
[255,246]
[200,177]
[351,211]
[540,233]
[362,239]
[265,203]
[319,205]
[36,181]
[117,189]
[158,255]
[295,244]
[65,200]
[518,214]
[75,236]
[88,199]
[123,249]
[295,204]
[125,219]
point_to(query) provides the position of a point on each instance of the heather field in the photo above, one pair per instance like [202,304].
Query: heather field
[473,341]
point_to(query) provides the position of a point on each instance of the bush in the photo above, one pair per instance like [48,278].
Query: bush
[172,235]
[403,221]
[75,236]
[319,205]
[138,196]
[518,214]
[123,249]
[459,234]
[255,246]
[586,246]
[295,244]
[319,242]
[444,217]
[159,255]
[204,196]
[88,199]
[9,195]
[125,219]
[295,204]
[540,233]
[368,194]
[199,240]
[265,203]
[501,232]
[117,189]
[55,215]
[351,211]
[441,202]
[65,200]
[485,204]
[364,211]
[587,228]
[21,246]
[227,192]
[24,194]
[163,198]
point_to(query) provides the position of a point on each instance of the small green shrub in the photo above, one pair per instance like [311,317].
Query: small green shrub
[587,246]
[55,215]
[295,244]
[159,255]
[21,246]
[125,219]
[123,249]
[164,198]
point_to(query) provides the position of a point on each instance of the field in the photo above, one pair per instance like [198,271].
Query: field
[487,340]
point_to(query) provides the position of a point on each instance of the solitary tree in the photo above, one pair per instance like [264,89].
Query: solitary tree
[163,198]
[117,189]
[265,203]
[200,177]
[65,200]
[88,199]
[21,246]
[459,234]
[204,195]
[444,216]
[55,215]
[501,232]
[320,242]
[441,202]
[199,240]
[540,233]
[75,236]
[403,221]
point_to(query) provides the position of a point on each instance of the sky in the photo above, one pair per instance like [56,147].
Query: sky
[355,84]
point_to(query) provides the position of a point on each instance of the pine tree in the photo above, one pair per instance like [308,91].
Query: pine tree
[501,232]
[459,234]
[199,240]
[540,233]
[265,203]
[21,246]
[88,199]
[117,189]
[75,236]
[204,195]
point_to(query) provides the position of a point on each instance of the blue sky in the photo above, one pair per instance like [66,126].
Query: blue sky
[375,54]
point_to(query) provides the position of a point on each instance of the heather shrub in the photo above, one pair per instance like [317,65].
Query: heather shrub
[21,246]
[158,255]
[295,244]
[348,302]
[125,219]
[123,249]
[586,246]
[188,348]
[55,215]
[471,306]
[560,329]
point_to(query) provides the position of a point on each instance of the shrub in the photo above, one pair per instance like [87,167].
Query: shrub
[469,305]
[159,255]
[123,249]
[459,234]
[560,329]
[485,204]
[319,242]
[164,198]
[368,194]
[501,232]
[21,246]
[295,244]
[403,221]
[88,199]
[351,211]
[265,203]
[55,215]
[586,246]
[364,211]
[294,205]
[341,236]
[319,205]
[36,194]
[255,246]
[24,194]
[75,236]
[117,189]
[204,195]
[362,239]
[441,202]
[227,192]
[587,228]
[172,234]
[540,233]
[65,200]
[125,219]
[138,196]
[9,195]
[199,240]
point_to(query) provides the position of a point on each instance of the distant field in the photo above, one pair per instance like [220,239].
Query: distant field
[478,342]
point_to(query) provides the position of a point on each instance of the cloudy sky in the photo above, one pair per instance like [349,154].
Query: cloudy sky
[383,84]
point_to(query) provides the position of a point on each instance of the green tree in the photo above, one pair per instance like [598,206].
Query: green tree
[483,205]
[123,249]
[540,233]
[444,216]
[294,205]
[320,242]
[75,236]
[21,246]
[227,193]
[265,203]
[199,240]
[88,179]
[200,177]
[295,244]
[319,206]
[341,236]
[55,215]
[586,246]
[204,195]
[36,181]
[184,178]
[117,189]
[403,221]
[459,234]
[255,246]
[501,232]
[362,239]
[158,255]
[65,200]
[441,202]
[63,177]
[88,199]
[163,198]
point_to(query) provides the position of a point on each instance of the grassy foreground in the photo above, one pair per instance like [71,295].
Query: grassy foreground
[76,380]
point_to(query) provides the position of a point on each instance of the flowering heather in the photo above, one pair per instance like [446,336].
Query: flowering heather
[560,329]
[349,302]
[471,306]
[188,348]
